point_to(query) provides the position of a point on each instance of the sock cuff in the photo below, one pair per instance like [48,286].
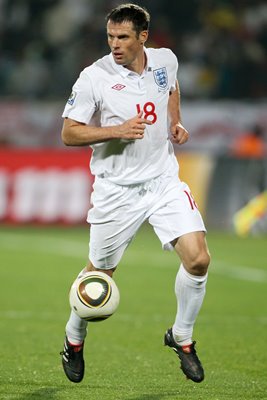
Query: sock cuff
[195,278]
[75,343]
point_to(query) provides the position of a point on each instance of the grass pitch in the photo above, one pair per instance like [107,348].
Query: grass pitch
[125,356]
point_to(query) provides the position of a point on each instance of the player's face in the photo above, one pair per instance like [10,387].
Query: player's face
[126,46]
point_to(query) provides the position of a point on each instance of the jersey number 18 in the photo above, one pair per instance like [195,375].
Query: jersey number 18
[149,111]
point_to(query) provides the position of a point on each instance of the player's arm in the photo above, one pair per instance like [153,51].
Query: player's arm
[178,131]
[75,133]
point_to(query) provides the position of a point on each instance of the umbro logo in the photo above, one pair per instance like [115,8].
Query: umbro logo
[118,86]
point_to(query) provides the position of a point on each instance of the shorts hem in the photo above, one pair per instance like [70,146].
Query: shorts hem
[167,246]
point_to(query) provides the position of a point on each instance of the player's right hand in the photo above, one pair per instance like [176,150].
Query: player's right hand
[133,128]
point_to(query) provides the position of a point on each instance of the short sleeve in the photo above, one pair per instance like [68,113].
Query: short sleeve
[173,69]
[81,104]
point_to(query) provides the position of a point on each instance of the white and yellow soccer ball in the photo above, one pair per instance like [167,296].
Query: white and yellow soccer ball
[94,296]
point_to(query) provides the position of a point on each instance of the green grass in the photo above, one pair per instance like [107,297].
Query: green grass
[125,358]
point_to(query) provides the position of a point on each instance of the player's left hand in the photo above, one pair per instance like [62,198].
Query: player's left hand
[179,134]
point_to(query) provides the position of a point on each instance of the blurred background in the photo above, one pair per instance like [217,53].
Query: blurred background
[221,47]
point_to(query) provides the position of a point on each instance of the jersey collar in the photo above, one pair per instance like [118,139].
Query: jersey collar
[124,72]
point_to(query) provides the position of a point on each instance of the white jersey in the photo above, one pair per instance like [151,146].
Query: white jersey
[108,94]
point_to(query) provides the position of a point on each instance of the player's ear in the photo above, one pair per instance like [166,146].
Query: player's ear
[143,36]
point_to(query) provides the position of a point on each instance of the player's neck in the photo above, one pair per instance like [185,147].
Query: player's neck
[138,64]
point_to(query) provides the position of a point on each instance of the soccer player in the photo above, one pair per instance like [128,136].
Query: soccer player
[126,106]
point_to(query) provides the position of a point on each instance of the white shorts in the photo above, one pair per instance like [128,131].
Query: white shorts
[119,211]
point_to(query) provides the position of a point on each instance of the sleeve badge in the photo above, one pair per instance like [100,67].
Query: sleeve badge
[72,98]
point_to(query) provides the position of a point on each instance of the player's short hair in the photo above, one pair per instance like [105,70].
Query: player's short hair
[139,16]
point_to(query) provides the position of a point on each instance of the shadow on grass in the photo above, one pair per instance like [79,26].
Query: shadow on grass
[153,396]
[42,394]
[50,393]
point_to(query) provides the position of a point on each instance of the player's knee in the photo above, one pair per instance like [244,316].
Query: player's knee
[199,264]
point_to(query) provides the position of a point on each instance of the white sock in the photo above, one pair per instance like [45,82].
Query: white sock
[190,291]
[76,328]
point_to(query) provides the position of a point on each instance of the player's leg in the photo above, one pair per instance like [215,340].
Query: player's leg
[72,354]
[76,328]
[76,331]
[190,288]
[190,284]
[193,251]
[179,226]
[109,237]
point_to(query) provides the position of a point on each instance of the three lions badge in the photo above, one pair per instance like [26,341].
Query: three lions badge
[161,78]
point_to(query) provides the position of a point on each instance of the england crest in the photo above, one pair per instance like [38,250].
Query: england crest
[161,77]
[72,98]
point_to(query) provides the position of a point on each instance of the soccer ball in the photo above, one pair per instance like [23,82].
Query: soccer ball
[94,296]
